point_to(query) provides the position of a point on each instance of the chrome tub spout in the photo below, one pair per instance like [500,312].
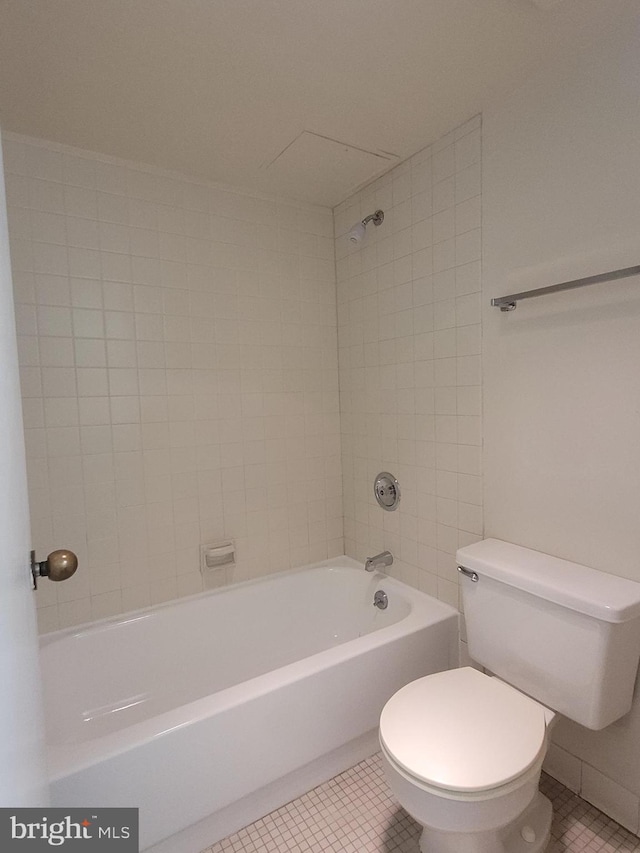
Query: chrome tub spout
[385,558]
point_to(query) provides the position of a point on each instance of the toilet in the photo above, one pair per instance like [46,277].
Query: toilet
[462,749]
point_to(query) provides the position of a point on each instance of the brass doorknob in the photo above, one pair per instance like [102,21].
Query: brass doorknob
[58,566]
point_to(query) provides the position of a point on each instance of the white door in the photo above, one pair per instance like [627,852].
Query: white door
[22,768]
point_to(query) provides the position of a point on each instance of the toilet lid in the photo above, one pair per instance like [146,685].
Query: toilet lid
[462,730]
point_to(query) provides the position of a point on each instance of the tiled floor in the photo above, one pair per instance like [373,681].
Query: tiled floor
[356,813]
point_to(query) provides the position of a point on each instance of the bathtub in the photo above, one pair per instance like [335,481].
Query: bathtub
[208,712]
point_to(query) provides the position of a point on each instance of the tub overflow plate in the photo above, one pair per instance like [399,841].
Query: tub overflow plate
[381,600]
[387,491]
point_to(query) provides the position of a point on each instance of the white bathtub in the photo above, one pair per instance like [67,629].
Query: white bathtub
[210,711]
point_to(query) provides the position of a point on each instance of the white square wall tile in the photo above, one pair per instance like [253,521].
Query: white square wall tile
[443,164]
[118,296]
[61,411]
[622,805]
[468,215]
[468,310]
[564,767]
[84,263]
[123,381]
[467,150]
[54,352]
[29,351]
[444,195]
[106,604]
[63,441]
[92,382]
[119,325]
[32,413]
[96,439]
[121,354]
[58,382]
[54,321]
[52,290]
[26,320]
[79,201]
[125,410]
[74,612]
[469,340]
[41,162]
[467,183]
[82,233]
[98,468]
[468,247]
[90,352]
[86,293]
[88,323]
[94,411]
[47,195]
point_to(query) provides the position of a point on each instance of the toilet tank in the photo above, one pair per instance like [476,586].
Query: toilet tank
[565,634]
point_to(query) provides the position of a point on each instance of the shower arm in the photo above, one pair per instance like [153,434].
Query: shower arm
[377,218]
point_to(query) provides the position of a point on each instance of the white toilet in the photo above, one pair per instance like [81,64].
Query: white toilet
[462,751]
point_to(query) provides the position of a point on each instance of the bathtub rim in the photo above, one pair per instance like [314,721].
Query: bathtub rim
[139,612]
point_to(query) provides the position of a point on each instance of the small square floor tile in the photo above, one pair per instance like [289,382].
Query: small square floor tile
[356,812]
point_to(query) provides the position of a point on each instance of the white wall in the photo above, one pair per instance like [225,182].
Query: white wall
[410,361]
[179,372]
[561,199]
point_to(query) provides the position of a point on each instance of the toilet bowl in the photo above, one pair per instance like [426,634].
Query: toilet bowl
[462,752]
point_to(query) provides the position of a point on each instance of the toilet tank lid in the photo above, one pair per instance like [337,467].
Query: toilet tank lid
[598,594]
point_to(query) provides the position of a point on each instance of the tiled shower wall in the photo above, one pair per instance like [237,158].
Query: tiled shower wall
[410,361]
[179,372]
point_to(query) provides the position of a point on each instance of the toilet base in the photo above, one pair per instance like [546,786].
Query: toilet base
[536,818]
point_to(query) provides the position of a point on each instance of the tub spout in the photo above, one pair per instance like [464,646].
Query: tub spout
[385,558]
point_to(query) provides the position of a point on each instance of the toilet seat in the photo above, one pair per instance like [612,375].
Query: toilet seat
[463,731]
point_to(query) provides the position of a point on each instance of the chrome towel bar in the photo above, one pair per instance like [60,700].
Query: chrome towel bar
[508,303]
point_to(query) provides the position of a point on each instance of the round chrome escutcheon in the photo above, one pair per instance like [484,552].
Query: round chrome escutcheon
[387,491]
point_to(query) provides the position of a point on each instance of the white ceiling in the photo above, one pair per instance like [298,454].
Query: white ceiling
[302,98]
